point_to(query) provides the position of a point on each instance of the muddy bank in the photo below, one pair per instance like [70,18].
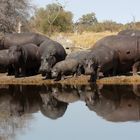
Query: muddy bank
[81,80]
[39,80]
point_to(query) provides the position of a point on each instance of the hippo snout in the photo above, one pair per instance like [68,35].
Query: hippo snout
[54,73]
[42,71]
[89,71]
[45,72]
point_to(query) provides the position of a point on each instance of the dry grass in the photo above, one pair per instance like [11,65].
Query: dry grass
[86,39]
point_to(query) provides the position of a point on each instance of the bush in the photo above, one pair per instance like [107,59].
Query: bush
[51,19]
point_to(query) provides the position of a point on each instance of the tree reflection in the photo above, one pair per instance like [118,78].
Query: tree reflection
[11,119]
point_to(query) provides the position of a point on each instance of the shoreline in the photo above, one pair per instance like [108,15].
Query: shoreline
[81,80]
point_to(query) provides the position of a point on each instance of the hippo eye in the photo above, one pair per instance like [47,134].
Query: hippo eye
[128,52]
[92,65]
[47,59]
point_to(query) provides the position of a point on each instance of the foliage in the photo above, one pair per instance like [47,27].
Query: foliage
[88,19]
[11,12]
[53,18]
[86,22]
[107,25]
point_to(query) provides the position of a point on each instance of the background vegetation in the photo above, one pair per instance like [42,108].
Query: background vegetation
[53,18]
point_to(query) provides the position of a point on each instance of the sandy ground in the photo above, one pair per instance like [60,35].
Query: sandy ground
[81,80]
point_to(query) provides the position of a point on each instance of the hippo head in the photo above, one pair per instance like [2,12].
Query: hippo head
[47,62]
[1,41]
[54,73]
[14,54]
[89,66]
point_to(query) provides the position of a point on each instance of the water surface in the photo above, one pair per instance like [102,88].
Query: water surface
[67,112]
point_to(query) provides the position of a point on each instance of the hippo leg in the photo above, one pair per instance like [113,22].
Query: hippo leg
[62,76]
[80,70]
[93,78]
[10,70]
[114,71]
[135,68]
[97,72]
[16,72]
[48,75]
[59,77]
[23,72]
[75,74]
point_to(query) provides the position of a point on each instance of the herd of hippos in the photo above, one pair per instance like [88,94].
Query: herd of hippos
[26,54]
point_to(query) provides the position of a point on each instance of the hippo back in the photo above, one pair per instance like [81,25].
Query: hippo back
[52,47]
[104,56]
[130,32]
[22,38]
[127,48]
[79,55]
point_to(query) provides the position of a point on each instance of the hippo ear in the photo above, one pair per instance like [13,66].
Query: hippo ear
[18,48]
[52,53]
[84,59]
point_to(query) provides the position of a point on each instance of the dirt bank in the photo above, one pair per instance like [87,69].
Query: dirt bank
[38,80]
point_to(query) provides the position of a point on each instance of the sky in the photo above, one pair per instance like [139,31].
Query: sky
[121,11]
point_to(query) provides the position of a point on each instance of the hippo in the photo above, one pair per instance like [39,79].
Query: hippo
[80,56]
[101,59]
[16,39]
[130,32]
[50,52]
[4,63]
[65,68]
[25,59]
[128,49]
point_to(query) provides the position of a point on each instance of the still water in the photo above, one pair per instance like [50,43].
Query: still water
[63,112]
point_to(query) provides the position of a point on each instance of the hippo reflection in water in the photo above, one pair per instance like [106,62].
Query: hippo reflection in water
[51,107]
[116,103]
[22,100]
[113,103]
[66,93]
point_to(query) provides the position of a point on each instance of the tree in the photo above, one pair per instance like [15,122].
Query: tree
[88,19]
[12,12]
[86,22]
[52,18]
